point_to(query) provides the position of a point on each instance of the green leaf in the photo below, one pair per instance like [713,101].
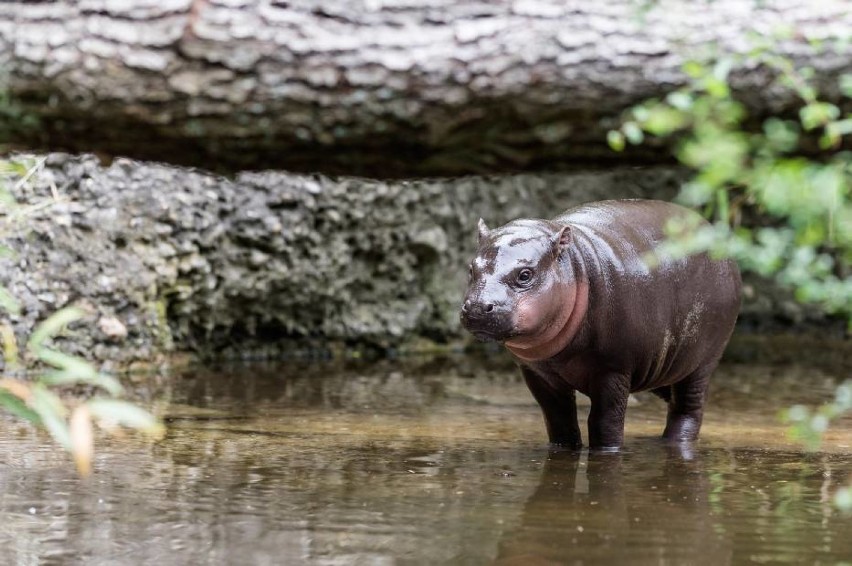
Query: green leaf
[633,132]
[640,113]
[17,407]
[615,139]
[8,302]
[722,206]
[663,120]
[52,326]
[680,100]
[846,85]
[781,135]
[722,69]
[52,412]
[818,114]
[716,88]
[694,69]
[841,127]
[125,414]
[74,370]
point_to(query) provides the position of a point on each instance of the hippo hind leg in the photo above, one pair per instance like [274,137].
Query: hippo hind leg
[664,393]
[686,404]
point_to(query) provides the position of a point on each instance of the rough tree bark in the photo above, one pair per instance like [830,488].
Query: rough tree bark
[169,259]
[374,87]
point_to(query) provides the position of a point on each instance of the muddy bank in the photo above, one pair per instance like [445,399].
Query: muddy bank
[169,259]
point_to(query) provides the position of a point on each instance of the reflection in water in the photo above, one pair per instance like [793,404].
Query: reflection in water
[423,463]
[667,505]
[603,507]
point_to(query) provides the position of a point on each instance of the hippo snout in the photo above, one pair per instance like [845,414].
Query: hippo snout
[486,320]
[477,308]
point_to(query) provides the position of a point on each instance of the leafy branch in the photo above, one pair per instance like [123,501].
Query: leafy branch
[807,242]
[808,427]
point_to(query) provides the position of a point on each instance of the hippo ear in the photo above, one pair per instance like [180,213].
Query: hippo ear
[483,229]
[562,238]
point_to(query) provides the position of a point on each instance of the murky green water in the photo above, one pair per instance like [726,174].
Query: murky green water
[429,462]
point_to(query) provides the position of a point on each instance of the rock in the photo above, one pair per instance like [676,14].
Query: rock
[112,328]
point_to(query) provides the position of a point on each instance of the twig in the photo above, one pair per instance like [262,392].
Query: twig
[33,170]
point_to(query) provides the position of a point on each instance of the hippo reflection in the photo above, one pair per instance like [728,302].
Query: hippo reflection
[597,502]
[575,301]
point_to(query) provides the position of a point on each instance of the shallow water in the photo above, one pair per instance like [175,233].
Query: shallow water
[428,461]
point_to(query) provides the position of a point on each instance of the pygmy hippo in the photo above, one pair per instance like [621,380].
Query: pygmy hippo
[577,303]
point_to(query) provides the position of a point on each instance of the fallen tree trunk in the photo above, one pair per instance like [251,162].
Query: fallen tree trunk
[168,259]
[379,88]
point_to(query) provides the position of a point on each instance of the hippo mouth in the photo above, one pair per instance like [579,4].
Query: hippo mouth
[490,334]
[484,336]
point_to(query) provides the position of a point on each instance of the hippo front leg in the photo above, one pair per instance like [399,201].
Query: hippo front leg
[559,405]
[609,407]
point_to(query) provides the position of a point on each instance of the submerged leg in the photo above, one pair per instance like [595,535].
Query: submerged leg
[559,407]
[686,405]
[609,407]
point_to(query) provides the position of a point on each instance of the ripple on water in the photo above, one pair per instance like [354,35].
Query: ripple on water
[420,462]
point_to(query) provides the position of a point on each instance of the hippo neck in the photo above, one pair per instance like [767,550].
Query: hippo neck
[570,327]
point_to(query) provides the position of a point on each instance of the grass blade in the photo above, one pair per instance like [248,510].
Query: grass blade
[122,413]
[10,347]
[52,326]
[9,303]
[52,412]
[72,370]
[82,439]
[17,407]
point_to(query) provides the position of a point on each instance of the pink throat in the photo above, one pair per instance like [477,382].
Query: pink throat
[548,344]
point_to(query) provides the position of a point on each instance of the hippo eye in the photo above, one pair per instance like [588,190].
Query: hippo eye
[524,276]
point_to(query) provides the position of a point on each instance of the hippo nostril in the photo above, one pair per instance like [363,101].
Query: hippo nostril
[489,307]
[466,306]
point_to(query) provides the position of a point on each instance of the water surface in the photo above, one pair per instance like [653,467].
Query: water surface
[429,461]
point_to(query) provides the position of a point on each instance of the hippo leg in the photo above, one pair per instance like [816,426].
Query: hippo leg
[559,407]
[686,405]
[609,407]
[664,393]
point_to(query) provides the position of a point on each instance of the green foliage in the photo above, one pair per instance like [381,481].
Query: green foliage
[37,400]
[807,244]
[808,426]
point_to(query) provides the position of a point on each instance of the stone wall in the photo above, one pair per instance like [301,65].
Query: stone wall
[171,259]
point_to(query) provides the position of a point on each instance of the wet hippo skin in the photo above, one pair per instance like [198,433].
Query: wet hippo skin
[575,301]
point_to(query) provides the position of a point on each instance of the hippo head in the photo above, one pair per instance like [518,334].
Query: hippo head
[519,292]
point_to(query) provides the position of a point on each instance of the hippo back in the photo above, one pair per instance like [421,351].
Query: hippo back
[656,323]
